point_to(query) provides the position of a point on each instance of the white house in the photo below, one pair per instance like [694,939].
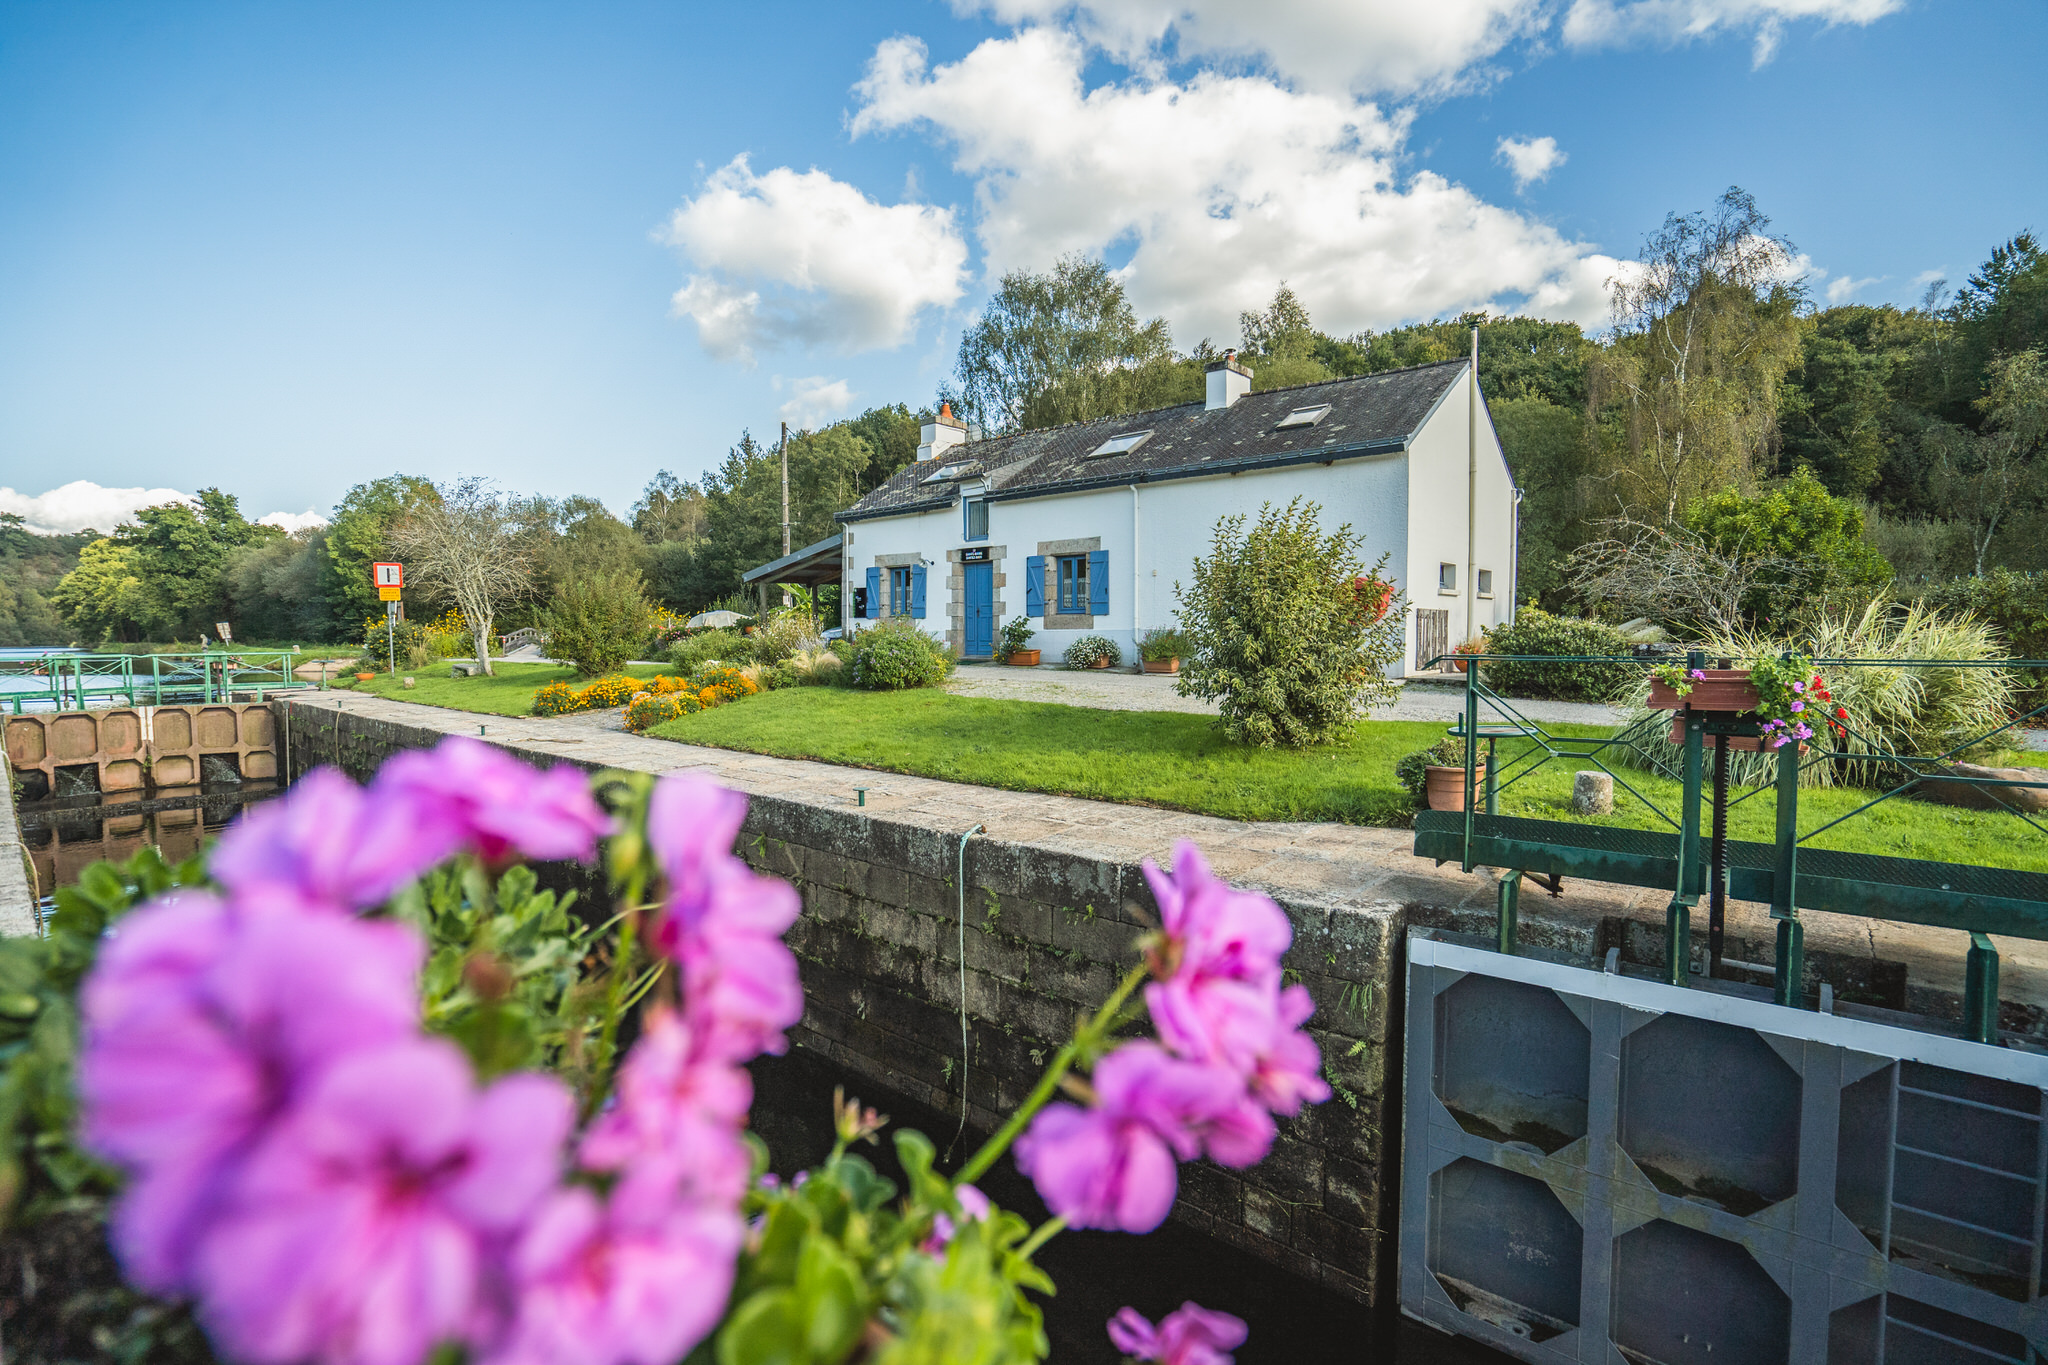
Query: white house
[1087,528]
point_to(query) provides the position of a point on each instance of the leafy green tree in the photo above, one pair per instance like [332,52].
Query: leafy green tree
[1706,329]
[1283,640]
[360,535]
[182,553]
[1551,452]
[31,566]
[1810,542]
[103,598]
[577,538]
[1061,347]
[276,589]
[670,509]
[743,499]
[892,434]
[1984,478]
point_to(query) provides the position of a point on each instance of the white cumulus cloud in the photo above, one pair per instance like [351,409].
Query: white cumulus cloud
[1388,47]
[797,256]
[292,521]
[1529,160]
[1221,186]
[814,400]
[1620,23]
[82,503]
[1845,288]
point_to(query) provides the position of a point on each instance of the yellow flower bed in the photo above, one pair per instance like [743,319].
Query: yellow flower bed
[712,686]
[650,709]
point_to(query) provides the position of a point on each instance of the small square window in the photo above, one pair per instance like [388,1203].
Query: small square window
[1446,578]
[1485,583]
[1071,599]
[977,519]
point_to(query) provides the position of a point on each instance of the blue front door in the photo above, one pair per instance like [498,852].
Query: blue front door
[981,610]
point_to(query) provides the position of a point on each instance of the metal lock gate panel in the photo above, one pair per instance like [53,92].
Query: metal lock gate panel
[1599,1168]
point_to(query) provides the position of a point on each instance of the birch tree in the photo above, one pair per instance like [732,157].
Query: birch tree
[1982,478]
[469,543]
[1705,331]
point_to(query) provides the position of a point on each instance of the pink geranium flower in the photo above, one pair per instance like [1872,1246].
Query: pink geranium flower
[1211,930]
[1191,1335]
[1288,1070]
[674,1130]
[1113,1166]
[723,923]
[594,1288]
[328,845]
[359,1232]
[201,1022]
[974,1207]
[483,798]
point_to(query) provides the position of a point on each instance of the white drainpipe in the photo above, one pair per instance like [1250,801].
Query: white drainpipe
[1135,575]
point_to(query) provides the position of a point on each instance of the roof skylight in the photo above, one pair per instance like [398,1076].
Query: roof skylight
[1120,445]
[951,471]
[1303,417]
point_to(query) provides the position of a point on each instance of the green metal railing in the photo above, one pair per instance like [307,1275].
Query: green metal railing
[67,682]
[1788,874]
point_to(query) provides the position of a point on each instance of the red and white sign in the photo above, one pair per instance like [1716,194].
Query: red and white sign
[388,575]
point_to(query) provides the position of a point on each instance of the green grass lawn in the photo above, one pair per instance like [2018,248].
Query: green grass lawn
[1170,759]
[508,693]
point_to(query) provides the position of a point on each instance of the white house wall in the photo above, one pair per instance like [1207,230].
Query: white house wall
[1438,460]
[1177,520]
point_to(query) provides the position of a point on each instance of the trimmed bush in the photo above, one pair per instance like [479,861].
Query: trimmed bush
[1283,642]
[597,623]
[1090,650]
[897,655]
[1534,631]
[711,646]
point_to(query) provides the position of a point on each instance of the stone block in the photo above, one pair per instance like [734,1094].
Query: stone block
[1592,793]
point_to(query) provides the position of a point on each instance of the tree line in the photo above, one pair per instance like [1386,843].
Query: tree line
[1898,443]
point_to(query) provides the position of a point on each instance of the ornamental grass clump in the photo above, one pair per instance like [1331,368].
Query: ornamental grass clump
[361,1098]
[1283,641]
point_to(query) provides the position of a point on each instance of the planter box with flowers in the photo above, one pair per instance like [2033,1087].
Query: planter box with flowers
[1093,651]
[1161,650]
[1786,698]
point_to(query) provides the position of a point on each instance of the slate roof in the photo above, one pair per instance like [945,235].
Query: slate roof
[1370,414]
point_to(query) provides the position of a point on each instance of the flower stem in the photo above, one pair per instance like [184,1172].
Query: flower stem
[1087,1035]
[1044,1234]
[615,1002]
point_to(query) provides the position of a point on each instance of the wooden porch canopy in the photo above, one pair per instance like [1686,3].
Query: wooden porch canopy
[815,566]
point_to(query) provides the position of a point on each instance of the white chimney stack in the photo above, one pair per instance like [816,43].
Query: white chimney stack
[1228,381]
[940,435]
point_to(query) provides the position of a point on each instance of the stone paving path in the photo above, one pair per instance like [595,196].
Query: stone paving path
[1317,863]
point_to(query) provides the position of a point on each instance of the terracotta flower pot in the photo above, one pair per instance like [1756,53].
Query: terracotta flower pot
[1100,663]
[1723,689]
[1162,665]
[1023,658]
[364,677]
[1445,787]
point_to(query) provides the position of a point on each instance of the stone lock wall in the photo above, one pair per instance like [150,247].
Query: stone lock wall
[1047,935]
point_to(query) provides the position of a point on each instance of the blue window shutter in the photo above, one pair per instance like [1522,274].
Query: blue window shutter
[1098,582]
[1034,585]
[917,590]
[874,592]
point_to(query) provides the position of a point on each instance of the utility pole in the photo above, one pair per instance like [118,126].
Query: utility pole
[785,500]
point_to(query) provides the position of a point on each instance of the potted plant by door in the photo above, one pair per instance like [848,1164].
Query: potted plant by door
[1093,651]
[1375,595]
[1016,635]
[1475,645]
[1436,776]
[1161,650]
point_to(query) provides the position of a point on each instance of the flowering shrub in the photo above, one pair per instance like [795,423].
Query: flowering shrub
[555,699]
[1091,650]
[560,699]
[898,654]
[717,683]
[650,709]
[365,1090]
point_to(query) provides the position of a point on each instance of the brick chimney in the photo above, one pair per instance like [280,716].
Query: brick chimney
[1229,381]
[941,434]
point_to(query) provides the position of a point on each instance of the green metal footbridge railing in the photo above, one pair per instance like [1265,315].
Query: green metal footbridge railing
[1788,874]
[73,681]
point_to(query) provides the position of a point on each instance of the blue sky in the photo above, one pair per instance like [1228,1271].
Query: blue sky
[283,249]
